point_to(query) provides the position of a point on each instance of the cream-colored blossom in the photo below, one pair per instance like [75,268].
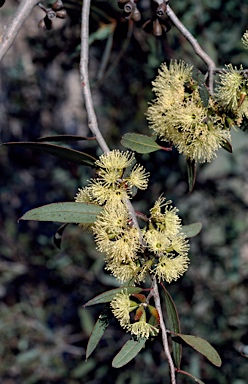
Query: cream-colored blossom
[102,193]
[138,177]
[245,39]
[171,268]
[121,306]
[228,91]
[122,272]
[143,329]
[115,159]
[165,217]
[83,195]
[157,242]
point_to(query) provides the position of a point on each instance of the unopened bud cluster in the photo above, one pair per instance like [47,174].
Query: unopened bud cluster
[158,22]
[57,10]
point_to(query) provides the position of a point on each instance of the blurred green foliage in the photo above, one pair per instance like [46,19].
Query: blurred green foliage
[43,328]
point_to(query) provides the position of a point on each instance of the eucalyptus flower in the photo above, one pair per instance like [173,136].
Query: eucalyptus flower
[245,39]
[231,83]
[171,268]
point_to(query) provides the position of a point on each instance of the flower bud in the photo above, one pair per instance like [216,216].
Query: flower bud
[139,313]
[136,16]
[157,29]
[58,5]
[161,10]
[61,14]
[129,7]
[51,14]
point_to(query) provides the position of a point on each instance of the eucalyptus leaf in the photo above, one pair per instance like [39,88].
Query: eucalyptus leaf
[202,346]
[84,213]
[101,33]
[139,143]
[98,331]
[56,150]
[128,352]
[227,146]
[173,325]
[65,138]
[191,230]
[108,296]
[191,170]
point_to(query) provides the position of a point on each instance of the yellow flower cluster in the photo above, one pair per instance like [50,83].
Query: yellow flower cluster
[245,39]
[178,115]
[232,92]
[130,254]
[122,306]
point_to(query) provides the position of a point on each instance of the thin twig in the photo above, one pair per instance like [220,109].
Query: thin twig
[84,59]
[23,11]
[156,297]
[197,48]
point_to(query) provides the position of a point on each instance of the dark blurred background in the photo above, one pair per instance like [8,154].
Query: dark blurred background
[43,328]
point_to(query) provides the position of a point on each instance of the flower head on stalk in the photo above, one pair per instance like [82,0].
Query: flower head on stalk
[229,90]
[122,306]
[245,39]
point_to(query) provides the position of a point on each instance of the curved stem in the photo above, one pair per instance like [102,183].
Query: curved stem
[196,46]
[156,297]
[84,60]
[23,11]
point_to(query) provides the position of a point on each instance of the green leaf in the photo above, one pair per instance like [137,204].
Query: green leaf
[192,376]
[106,297]
[139,143]
[202,346]
[101,33]
[65,138]
[128,352]
[191,169]
[85,213]
[192,230]
[203,91]
[226,145]
[59,151]
[98,331]
[173,325]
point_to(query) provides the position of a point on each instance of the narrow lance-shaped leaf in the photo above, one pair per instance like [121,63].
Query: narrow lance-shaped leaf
[57,238]
[65,138]
[56,150]
[191,169]
[98,331]
[202,346]
[191,230]
[106,297]
[85,213]
[128,352]
[173,324]
[226,145]
[192,377]
[139,143]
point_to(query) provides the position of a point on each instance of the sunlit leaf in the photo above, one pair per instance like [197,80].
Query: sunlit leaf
[202,346]
[191,169]
[85,213]
[139,143]
[56,150]
[192,230]
[106,297]
[128,352]
[173,325]
[98,331]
